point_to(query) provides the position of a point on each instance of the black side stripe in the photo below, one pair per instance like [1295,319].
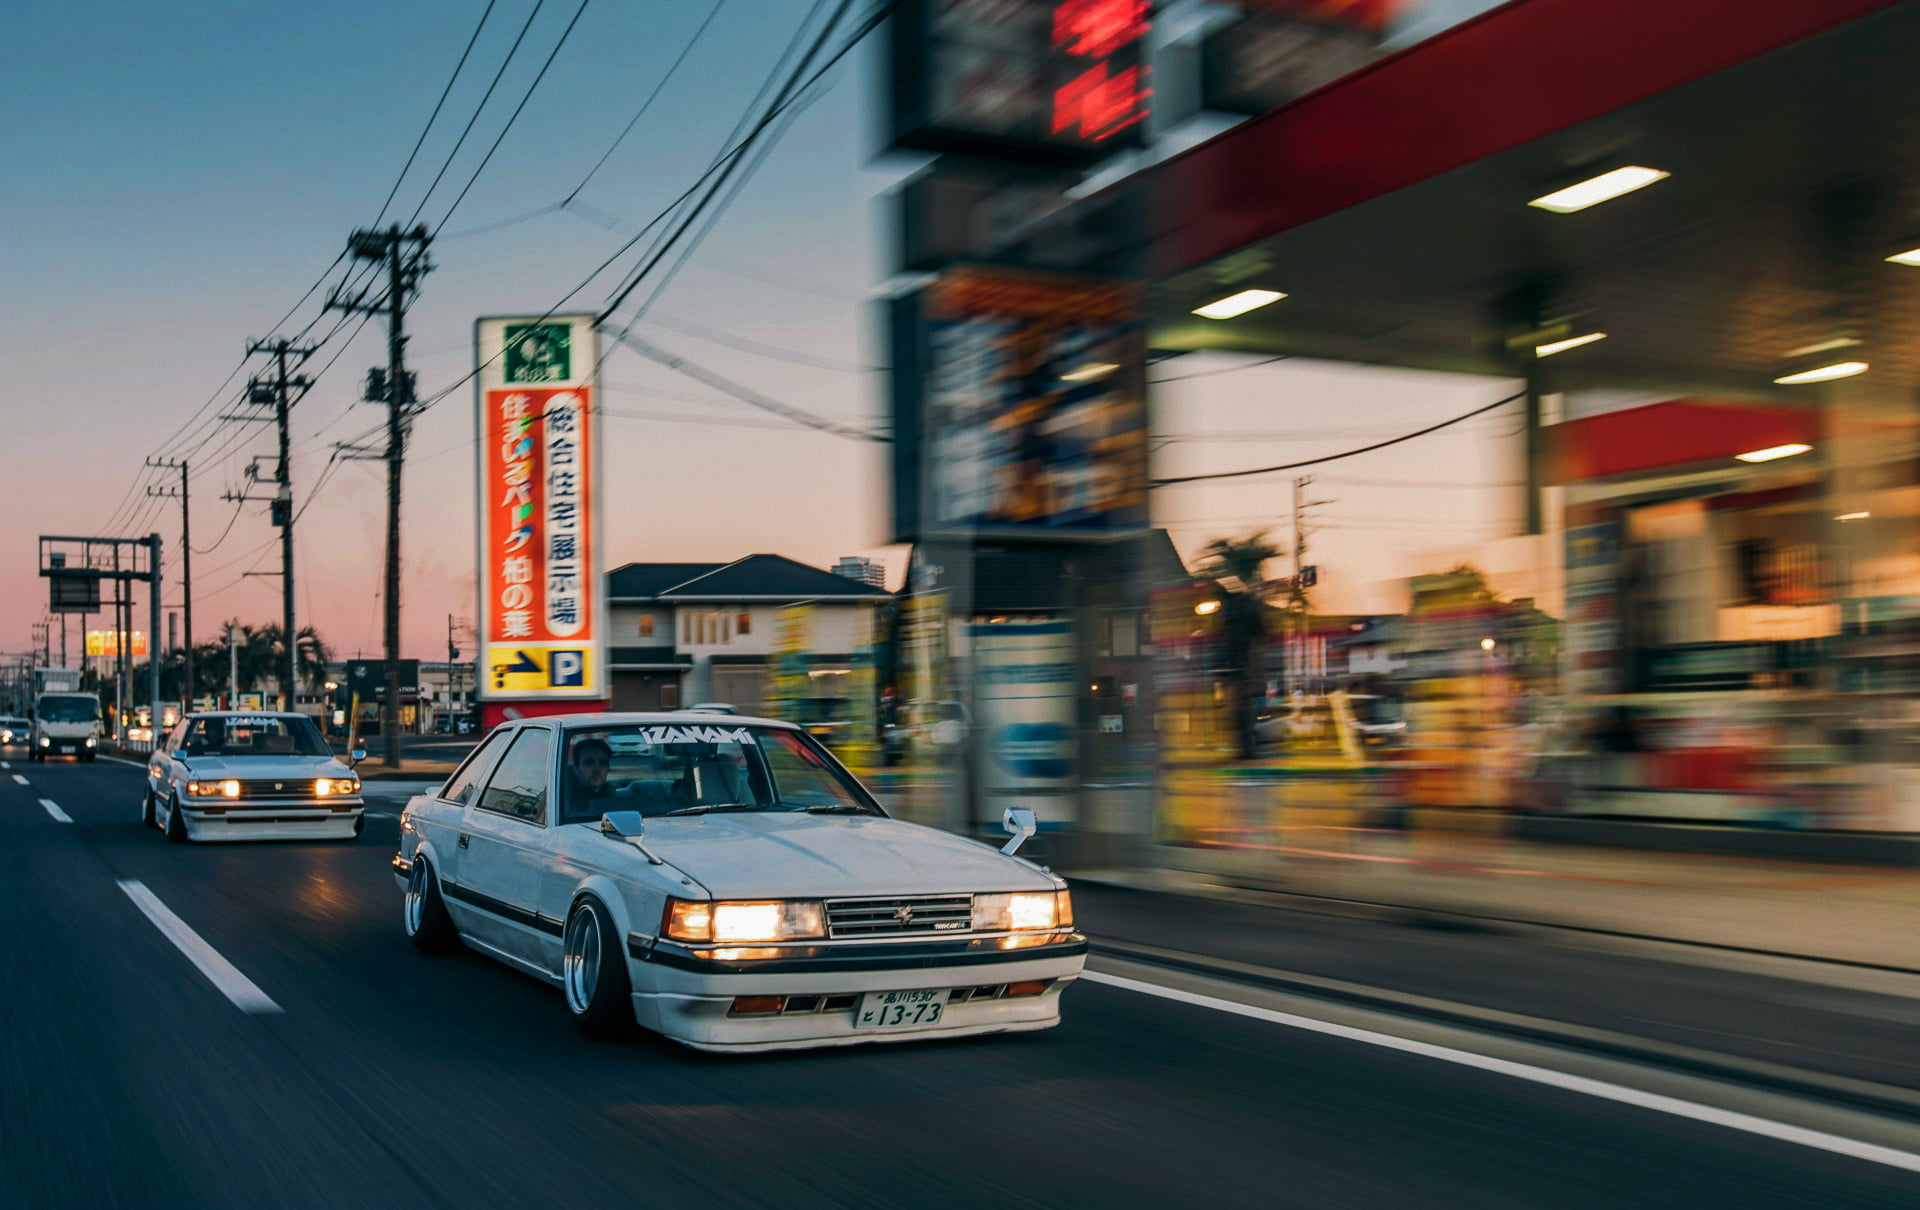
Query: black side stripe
[502,909]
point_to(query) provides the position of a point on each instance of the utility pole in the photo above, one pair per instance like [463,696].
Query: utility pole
[186,574]
[404,255]
[1298,604]
[281,395]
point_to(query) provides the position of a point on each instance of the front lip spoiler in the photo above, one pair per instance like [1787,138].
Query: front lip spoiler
[832,958]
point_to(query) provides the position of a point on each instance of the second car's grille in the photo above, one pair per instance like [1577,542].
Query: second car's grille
[899,917]
[276,787]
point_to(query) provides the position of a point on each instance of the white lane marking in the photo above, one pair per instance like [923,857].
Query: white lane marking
[20,779]
[54,810]
[1764,1127]
[245,994]
[6,764]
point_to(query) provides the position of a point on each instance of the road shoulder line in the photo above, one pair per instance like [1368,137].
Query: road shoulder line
[1656,1102]
[224,975]
[53,809]
[1860,1094]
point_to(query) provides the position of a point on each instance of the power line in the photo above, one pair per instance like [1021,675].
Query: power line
[435,115]
[1365,449]
[646,104]
[745,394]
[515,115]
[759,348]
[468,129]
[1226,370]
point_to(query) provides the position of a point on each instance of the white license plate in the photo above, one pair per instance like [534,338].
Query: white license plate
[900,1010]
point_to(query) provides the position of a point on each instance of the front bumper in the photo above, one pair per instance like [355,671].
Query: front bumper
[690,999]
[328,819]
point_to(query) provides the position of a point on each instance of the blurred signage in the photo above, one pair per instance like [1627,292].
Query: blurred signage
[73,594]
[541,632]
[1026,675]
[1019,406]
[367,679]
[1371,15]
[1592,648]
[1040,80]
[107,643]
[249,701]
[1266,59]
[960,210]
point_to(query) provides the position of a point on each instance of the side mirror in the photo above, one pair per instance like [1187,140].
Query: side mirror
[356,756]
[179,754]
[1020,824]
[628,826]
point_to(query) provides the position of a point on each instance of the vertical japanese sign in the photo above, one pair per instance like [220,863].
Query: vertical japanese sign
[542,629]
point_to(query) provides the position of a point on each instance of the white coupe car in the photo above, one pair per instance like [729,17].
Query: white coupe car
[247,775]
[724,881]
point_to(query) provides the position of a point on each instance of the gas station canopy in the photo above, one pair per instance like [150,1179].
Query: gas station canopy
[1392,207]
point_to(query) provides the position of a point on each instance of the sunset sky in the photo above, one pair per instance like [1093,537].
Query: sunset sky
[176,187]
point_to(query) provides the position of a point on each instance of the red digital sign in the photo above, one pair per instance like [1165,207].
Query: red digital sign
[1105,99]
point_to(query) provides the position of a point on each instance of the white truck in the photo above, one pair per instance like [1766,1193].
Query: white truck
[66,722]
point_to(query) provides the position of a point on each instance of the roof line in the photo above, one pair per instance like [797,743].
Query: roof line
[703,575]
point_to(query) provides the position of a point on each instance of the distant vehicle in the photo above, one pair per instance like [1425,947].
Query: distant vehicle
[730,886]
[927,725]
[1376,720]
[15,730]
[463,726]
[443,725]
[65,724]
[251,775]
[711,708]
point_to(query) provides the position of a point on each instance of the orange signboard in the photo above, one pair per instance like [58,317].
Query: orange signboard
[107,643]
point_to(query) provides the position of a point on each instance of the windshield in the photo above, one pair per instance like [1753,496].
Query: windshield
[1374,710]
[254,735]
[692,769]
[68,709]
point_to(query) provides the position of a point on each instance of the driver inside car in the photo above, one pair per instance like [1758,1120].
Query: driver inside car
[587,777]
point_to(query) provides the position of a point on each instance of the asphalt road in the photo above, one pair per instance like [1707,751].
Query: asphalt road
[388,1079]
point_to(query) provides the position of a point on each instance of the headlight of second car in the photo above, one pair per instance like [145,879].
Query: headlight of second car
[736,921]
[1021,910]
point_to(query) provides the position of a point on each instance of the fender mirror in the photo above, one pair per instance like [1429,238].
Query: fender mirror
[628,826]
[179,754]
[356,756]
[1020,824]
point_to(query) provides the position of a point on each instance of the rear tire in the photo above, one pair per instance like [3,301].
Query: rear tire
[593,973]
[176,822]
[424,913]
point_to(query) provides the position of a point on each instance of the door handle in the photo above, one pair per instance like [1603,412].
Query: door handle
[463,840]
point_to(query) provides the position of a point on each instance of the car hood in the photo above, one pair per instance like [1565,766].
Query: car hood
[783,855]
[265,766]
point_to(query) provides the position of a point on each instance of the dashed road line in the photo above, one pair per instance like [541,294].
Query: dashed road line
[54,810]
[244,992]
[20,779]
[1659,1103]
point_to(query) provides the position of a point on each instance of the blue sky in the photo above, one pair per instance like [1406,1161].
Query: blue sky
[178,174]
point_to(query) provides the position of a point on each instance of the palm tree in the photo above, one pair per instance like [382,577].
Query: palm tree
[1237,566]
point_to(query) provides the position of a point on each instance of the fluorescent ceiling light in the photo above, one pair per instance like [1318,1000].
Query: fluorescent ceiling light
[1862,515]
[1089,372]
[1561,346]
[1603,188]
[1238,304]
[1774,451]
[1909,257]
[1826,373]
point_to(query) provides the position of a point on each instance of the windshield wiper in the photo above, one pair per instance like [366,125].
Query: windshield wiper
[710,808]
[836,808]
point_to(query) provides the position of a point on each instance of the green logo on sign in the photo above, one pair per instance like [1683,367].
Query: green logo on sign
[539,352]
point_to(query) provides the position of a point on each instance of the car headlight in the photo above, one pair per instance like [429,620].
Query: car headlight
[326,786]
[744,920]
[230,788]
[89,741]
[1009,913]
[45,742]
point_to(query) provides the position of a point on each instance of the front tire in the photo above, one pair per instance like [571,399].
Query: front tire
[176,823]
[147,814]
[424,913]
[593,973]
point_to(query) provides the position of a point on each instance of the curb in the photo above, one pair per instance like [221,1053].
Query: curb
[1885,1099]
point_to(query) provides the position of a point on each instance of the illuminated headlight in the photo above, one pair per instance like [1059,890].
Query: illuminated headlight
[89,741]
[230,788]
[45,742]
[1022,910]
[742,921]
[335,785]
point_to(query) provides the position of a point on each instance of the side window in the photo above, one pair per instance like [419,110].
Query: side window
[466,778]
[518,787]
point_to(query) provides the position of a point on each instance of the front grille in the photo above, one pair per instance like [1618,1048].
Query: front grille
[927,915]
[265,788]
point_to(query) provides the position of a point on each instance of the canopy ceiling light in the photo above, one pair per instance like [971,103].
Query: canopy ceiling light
[1824,373]
[1773,452]
[1602,188]
[1572,342]
[1910,257]
[1862,515]
[1091,371]
[1238,304]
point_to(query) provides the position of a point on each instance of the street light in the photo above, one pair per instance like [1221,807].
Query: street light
[1206,607]
[1486,644]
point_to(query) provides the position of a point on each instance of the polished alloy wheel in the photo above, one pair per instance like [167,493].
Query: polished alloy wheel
[580,968]
[416,896]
